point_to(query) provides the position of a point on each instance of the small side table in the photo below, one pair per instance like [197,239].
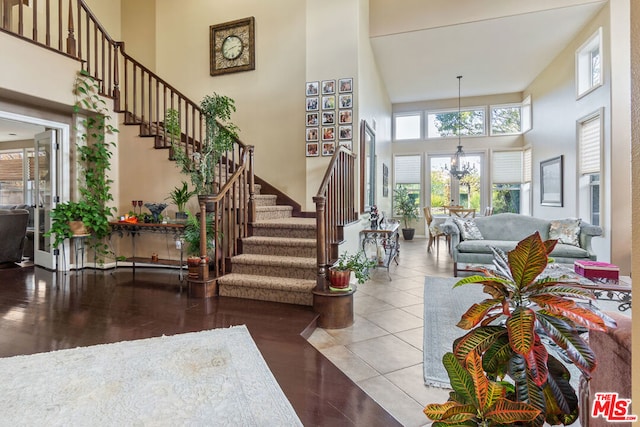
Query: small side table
[78,247]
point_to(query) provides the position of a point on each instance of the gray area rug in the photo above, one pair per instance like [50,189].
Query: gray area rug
[443,307]
[215,377]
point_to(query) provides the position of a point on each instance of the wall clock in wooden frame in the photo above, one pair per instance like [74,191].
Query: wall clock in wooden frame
[232,46]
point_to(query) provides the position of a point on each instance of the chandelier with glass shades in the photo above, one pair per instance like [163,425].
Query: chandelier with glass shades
[459,167]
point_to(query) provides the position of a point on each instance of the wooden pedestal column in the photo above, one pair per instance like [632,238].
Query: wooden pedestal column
[335,308]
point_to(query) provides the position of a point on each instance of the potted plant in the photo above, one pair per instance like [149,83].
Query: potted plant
[340,272]
[94,161]
[172,125]
[509,336]
[180,196]
[220,136]
[191,238]
[406,208]
[70,219]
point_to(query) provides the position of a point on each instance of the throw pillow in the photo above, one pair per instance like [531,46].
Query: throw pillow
[468,229]
[565,231]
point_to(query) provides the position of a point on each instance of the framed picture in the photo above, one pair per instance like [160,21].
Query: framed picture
[328,148]
[345,85]
[346,101]
[345,117]
[312,103]
[329,102]
[385,180]
[312,149]
[312,119]
[312,88]
[328,87]
[347,144]
[232,46]
[551,182]
[345,132]
[328,133]
[312,134]
[328,118]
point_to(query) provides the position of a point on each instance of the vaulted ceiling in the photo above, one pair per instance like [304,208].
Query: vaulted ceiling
[498,46]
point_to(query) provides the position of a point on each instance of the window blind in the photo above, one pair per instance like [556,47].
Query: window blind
[507,167]
[527,166]
[406,169]
[589,145]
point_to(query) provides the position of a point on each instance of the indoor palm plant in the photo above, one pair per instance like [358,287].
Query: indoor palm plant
[180,196]
[220,136]
[405,207]
[340,272]
[508,336]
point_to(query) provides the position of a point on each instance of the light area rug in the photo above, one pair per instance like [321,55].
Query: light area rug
[209,378]
[443,307]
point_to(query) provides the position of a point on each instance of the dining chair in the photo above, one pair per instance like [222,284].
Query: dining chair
[462,212]
[488,211]
[434,230]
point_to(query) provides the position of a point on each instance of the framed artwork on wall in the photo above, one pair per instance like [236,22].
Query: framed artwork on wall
[312,149]
[345,117]
[551,182]
[329,102]
[345,132]
[328,87]
[312,103]
[346,101]
[328,118]
[345,85]
[312,88]
[312,134]
[328,133]
[328,148]
[312,119]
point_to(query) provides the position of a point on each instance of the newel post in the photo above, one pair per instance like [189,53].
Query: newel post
[321,280]
[252,190]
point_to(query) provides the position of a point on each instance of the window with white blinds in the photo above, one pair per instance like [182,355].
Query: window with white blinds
[507,167]
[406,169]
[527,166]
[590,141]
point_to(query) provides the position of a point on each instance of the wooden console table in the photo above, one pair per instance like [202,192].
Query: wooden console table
[135,229]
[386,241]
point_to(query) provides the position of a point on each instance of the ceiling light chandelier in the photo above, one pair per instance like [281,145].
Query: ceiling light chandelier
[460,168]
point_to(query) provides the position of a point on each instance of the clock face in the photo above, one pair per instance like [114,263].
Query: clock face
[232,47]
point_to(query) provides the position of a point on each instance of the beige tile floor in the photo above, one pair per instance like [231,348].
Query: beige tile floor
[382,351]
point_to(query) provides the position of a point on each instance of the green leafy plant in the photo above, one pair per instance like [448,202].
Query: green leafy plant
[180,196]
[94,160]
[404,205]
[510,330]
[475,399]
[172,125]
[357,263]
[220,135]
[191,235]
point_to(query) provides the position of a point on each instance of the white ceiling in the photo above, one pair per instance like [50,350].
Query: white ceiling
[11,130]
[495,53]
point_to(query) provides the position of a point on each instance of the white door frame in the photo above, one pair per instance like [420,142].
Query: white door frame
[62,179]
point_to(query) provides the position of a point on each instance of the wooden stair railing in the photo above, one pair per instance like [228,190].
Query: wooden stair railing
[69,27]
[335,208]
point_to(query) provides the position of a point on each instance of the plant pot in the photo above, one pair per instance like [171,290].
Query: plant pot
[181,217]
[78,228]
[339,278]
[407,233]
[193,267]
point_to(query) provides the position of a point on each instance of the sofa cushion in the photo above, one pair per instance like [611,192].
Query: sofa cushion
[563,250]
[482,246]
[468,229]
[565,231]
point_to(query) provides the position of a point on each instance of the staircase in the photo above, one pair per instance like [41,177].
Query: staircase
[278,262]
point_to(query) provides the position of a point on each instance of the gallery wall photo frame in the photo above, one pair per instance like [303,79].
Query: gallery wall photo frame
[552,182]
[345,85]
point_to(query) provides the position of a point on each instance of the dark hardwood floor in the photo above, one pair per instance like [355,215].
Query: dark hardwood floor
[43,311]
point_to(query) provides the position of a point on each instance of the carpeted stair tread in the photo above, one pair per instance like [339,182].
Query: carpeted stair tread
[280,241]
[274,208]
[265,200]
[293,222]
[280,261]
[267,282]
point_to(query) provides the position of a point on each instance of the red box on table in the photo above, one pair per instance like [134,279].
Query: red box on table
[596,270]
